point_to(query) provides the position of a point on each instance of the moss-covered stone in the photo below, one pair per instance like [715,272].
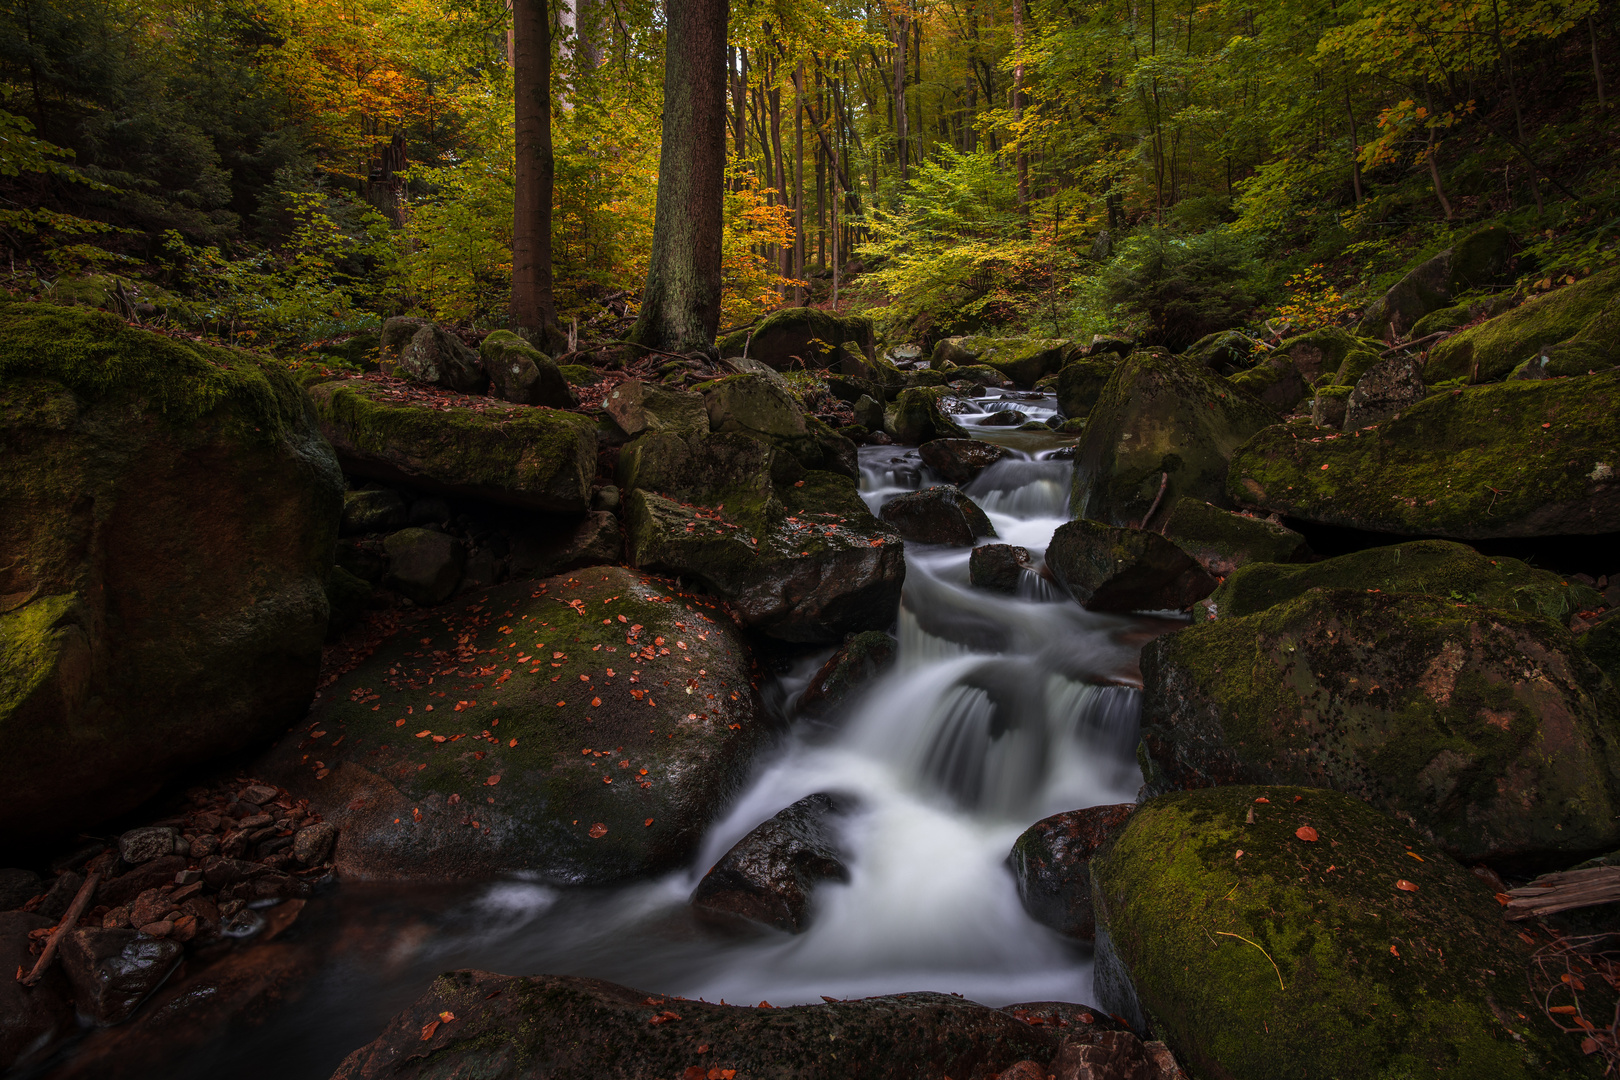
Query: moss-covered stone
[1023,360]
[1224,352]
[1476,261]
[1107,568]
[1601,644]
[1222,541]
[533,711]
[521,373]
[168,512]
[793,338]
[918,417]
[1487,728]
[1080,384]
[1356,363]
[638,406]
[1303,959]
[1319,351]
[513,454]
[1435,568]
[1160,417]
[1329,406]
[1511,459]
[1273,380]
[579,374]
[1446,318]
[1491,350]
[767,411]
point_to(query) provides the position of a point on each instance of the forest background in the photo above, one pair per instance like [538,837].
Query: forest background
[288,173]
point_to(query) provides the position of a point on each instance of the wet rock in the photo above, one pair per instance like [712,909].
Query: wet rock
[1170,881]
[1486,727]
[1580,313]
[768,875]
[124,888]
[1080,384]
[1439,569]
[940,514]
[518,769]
[542,459]
[857,662]
[1510,459]
[757,407]
[436,357]
[1329,405]
[1478,260]
[59,897]
[1051,862]
[371,511]
[149,907]
[960,460]
[514,1028]
[521,373]
[1160,424]
[113,971]
[637,406]
[145,844]
[1004,418]
[157,491]
[1112,569]
[33,1019]
[918,417]
[1221,541]
[999,567]
[423,565]
[595,540]
[1023,1070]
[1023,360]
[792,339]
[1388,387]
[1275,381]
[17,887]
[869,413]
[312,845]
[1113,1055]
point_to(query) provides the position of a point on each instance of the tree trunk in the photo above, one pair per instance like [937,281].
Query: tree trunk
[1597,68]
[680,307]
[901,46]
[798,181]
[533,307]
[1018,104]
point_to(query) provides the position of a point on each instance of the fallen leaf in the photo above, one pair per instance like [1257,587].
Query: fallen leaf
[1262,799]
[492,781]
[447,1017]
[663,1018]
[647,823]
[1239,855]
[1588,1046]
[1393,951]
[1306,833]
[598,831]
[1415,855]
[1566,1010]
[596,702]
[428,1029]
[423,734]
[1405,886]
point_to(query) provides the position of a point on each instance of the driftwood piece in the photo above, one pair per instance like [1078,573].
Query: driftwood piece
[69,921]
[1564,891]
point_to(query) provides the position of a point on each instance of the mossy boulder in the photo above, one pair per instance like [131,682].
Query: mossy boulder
[586,729]
[1275,381]
[1387,387]
[1510,459]
[1478,260]
[436,357]
[1319,352]
[373,510]
[1440,569]
[1447,318]
[1601,644]
[1222,541]
[1108,568]
[1329,406]
[424,565]
[1051,862]
[795,338]
[918,417]
[1161,423]
[1302,958]
[638,406]
[1023,360]
[1080,384]
[523,374]
[1487,728]
[1224,352]
[795,552]
[1565,359]
[579,374]
[767,411]
[540,458]
[1356,363]
[1491,350]
[168,512]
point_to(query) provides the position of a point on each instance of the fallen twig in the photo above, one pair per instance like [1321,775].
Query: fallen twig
[69,921]
[1564,891]
[1263,953]
[1414,344]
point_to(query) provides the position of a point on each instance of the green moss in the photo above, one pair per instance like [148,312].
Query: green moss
[28,653]
[1491,350]
[1602,645]
[1447,318]
[579,374]
[1023,360]
[1434,568]
[1080,384]
[1510,459]
[1319,351]
[1223,541]
[919,419]
[1356,363]
[1302,959]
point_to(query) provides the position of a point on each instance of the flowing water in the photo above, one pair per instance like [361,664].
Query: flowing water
[999,711]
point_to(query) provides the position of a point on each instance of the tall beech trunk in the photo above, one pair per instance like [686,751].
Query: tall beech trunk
[534,308]
[680,307]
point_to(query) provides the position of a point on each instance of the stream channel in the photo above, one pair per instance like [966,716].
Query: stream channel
[1000,710]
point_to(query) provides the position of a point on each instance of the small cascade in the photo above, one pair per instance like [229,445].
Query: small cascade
[1024,487]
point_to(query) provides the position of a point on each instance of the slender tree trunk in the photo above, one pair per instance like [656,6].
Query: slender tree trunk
[680,307]
[1434,175]
[1018,104]
[534,308]
[798,182]
[1355,150]
[902,39]
[1597,68]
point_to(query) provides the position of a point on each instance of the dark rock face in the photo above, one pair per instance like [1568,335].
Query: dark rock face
[520,373]
[760,408]
[424,565]
[768,875]
[797,338]
[1112,569]
[1051,861]
[32,1019]
[1081,383]
[438,358]
[1004,418]
[600,776]
[937,515]
[515,1028]
[637,406]
[113,971]
[918,417]
[1222,541]
[1509,459]
[371,511]
[595,540]
[1486,727]
[1225,352]
[1478,259]
[858,661]
[1388,387]
[17,887]
[1274,381]
[1171,881]
[169,514]
[960,460]
[999,567]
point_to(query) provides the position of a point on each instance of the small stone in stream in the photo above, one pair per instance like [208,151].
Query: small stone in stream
[17,887]
[767,877]
[188,877]
[960,460]
[860,659]
[244,924]
[1051,863]
[869,412]
[941,514]
[220,872]
[258,794]
[59,897]
[158,929]
[1108,568]
[204,910]
[313,843]
[143,845]
[998,567]
[149,907]
[113,971]
[32,1018]
[184,928]
[1105,1055]
[1004,418]
[204,846]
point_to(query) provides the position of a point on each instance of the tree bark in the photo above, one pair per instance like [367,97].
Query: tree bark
[1018,104]
[901,46]
[680,307]
[798,181]
[534,307]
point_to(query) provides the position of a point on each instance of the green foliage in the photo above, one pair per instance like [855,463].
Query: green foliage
[1174,289]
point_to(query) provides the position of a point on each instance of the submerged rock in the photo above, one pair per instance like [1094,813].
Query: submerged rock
[1051,862]
[960,460]
[526,1028]
[1511,459]
[565,744]
[1354,959]
[998,567]
[543,459]
[170,511]
[860,659]
[113,971]
[1111,569]
[940,514]
[768,875]
[1487,728]
[1222,541]
[523,374]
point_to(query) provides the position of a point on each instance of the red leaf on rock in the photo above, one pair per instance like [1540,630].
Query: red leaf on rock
[1306,833]
[1262,799]
[492,781]
[598,831]
[1405,886]
[647,823]
[428,1029]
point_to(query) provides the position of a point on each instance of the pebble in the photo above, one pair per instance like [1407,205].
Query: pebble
[257,794]
[160,929]
[143,845]
[313,843]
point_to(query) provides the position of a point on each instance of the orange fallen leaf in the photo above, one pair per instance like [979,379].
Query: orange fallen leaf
[400,722]
[1405,886]
[598,831]
[596,702]
[663,1018]
[492,781]
[648,823]
[1566,1010]
[1239,855]
[1504,899]
[423,734]
[1262,799]
[1415,855]
[1306,833]
[447,1017]
[1393,951]
[1589,1046]
[428,1029]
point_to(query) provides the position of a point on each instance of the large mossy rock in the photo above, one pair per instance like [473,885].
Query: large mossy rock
[544,728]
[552,1026]
[1487,728]
[543,459]
[758,407]
[795,552]
[1274,380]
[1024,360]
[1224,352]
[796,338]
[1109,568]
[523,374]
[436,357]
[1160,416]
[1439,569]
[1491,350]
[918,417]
[1302,958]
[1512,459]
[1477,260]
[1320,352]
[1080,384]
[638,406]
[168,512]
[1222,541]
